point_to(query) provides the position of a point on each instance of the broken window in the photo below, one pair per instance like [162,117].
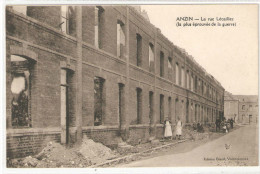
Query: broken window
[20,9]
[161,64]
[99,100]
[202,87]
[139,105]
[151,57]
[196,84]
[199,86]
[121,102]
[21,90]
[205,89]
[138,50]
[177,81]
[188,80]
[99,22]
[170,68]
[150,107]
[120,39]
[161,108]
[192,82]
[67,24]
[210,92]
[169,107]
[196,112]
[182,77]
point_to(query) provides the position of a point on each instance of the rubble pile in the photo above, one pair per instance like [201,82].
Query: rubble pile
[95,152]
[56,155]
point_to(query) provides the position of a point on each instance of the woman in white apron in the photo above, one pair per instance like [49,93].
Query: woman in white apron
[179,129]
[168,129]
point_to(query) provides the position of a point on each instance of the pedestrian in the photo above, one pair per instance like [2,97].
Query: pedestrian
[179,129]
[217,125]
[200,128]
[168,129]
[225,127]
[194,126]
[231,123]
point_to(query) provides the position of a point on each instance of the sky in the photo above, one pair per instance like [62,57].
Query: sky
[230,54]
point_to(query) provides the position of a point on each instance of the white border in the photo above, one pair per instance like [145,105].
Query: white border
[201,170]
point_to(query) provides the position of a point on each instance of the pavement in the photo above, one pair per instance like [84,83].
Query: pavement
[237,148]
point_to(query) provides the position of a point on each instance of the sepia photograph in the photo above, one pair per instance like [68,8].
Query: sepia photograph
[130,86]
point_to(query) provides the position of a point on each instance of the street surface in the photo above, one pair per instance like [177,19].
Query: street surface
[237,148]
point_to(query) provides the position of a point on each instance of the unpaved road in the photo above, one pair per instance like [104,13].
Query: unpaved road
[237,148]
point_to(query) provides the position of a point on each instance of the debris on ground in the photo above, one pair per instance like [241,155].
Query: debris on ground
[95,152]
[124,148]
[56,155]
[90,153]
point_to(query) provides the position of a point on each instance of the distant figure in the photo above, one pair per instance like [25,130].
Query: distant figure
[168,129]
[194,126]
[179,129]
[225,127]
[231,123]
[200,128]
[218,123]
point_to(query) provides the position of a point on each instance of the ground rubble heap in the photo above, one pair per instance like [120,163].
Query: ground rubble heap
[56,155]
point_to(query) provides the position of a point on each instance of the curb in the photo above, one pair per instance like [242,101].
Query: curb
[129,157]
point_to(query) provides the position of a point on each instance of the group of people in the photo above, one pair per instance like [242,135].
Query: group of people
[224,125]
[168,129]
[198,127]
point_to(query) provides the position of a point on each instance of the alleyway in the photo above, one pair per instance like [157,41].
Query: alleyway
[241,143]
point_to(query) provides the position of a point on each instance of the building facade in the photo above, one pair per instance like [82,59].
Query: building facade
[104,72]
[242,108]
[231,105]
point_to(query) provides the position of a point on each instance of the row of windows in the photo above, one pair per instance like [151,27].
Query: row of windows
[180,75]
[21,86]
[250,107]
[183,78]
[199,111]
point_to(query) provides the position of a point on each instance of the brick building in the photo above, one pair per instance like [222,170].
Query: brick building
[104,72]
[242,108]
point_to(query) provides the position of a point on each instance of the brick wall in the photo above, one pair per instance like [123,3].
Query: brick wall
[107,136]
[40,12]
[25,145]
[37,34]
[138,135]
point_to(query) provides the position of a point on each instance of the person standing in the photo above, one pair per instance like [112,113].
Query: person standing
[218,123]
[168,129]
[179,129]
[231,123]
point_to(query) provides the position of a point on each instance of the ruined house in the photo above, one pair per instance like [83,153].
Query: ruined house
[104,72]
